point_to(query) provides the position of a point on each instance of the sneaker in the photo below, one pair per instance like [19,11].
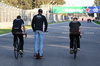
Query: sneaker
[78,49]
[34,56]
[71,51]
[40,56]
[15,49]
[21,52]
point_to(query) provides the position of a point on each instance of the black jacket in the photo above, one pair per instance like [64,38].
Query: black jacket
[17,25]
[37,22]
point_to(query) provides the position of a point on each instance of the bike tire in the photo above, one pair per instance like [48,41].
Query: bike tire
[74,53]
[16,52]
[75,49]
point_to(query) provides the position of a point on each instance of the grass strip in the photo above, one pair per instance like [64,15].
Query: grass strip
[97,22]
[8,30]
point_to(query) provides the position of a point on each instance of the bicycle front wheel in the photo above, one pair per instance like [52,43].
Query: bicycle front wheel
[75,50]
[16,51]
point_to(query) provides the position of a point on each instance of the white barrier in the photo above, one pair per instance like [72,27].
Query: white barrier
[9,13]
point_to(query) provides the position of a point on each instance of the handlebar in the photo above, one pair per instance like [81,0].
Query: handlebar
[25,35]
[20,33]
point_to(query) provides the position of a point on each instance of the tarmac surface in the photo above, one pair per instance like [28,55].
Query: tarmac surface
[56,48]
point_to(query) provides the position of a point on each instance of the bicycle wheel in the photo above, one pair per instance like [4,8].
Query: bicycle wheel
[74,53]
[16,51]
[75,49]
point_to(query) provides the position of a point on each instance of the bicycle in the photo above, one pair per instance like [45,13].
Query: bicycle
[75,47]
[16,48]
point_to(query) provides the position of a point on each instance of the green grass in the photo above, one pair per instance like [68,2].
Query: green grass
[8,30]
[57,22]
[97,22]
[28,26]
[4,31]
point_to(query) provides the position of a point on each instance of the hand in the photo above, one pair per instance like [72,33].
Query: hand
[79,30]
[24,33]
[80,34]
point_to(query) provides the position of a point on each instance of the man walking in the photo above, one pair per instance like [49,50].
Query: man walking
[37,26]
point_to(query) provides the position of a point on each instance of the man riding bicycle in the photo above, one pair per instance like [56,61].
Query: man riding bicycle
[75,32]
[17,32]
[37,26]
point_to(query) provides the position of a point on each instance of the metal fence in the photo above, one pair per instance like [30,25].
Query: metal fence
[9,13]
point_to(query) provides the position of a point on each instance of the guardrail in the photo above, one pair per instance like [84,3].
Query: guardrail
[9,13]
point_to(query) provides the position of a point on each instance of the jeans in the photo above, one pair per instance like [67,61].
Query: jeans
[38,35]
[72,38]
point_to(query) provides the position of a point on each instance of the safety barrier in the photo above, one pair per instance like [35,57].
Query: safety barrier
[9,13]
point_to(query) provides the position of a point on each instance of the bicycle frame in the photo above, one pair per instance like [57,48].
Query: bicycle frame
[16,52]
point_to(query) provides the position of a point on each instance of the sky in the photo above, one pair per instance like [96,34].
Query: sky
[80,2]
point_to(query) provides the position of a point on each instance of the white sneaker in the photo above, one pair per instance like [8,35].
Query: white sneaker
[78,49]
[21,52]
[71,49]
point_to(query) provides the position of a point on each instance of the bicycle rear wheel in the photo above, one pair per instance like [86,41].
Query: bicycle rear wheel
[16,51]
[75,53]
[75,49]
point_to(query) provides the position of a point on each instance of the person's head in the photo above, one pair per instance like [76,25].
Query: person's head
[75,19]
[19,17]
[40,11]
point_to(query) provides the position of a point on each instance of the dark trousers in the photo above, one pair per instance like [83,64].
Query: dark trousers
[21,41]
[72,38]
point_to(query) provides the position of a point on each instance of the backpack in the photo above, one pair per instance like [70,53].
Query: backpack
[17,26]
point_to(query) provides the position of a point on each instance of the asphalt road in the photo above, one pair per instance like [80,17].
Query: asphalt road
[56,48]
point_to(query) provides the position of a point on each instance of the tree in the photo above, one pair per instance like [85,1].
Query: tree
[30,4]
[37,3]
[97,2]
